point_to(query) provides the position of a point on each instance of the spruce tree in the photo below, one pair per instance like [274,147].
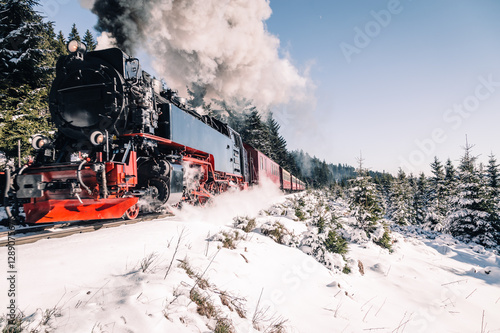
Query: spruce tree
[278,143]
[364,200]
[436,212]
[61,42]
[255,133]
[420,199]
[492,179]
[450,181]
[74,34]
[470,219]
[26,66]
[401,200]
[22,55]
[89,41]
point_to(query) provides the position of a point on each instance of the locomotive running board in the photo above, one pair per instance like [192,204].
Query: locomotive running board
[73,210]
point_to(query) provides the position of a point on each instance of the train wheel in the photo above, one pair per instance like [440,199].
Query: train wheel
[131,213]
[159,189]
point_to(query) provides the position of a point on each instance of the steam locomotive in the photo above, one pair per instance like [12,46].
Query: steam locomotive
[120,137]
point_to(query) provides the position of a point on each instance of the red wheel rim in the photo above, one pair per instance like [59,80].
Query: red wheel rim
[132,212]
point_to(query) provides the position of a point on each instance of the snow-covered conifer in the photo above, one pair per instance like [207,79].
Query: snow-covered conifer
[469,219]
[26,65]
[436,211]
[420,199]
[364,200]
[492,179]
[401,200]
[22,54]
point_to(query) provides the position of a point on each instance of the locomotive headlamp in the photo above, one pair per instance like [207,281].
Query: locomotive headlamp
[76,46]
[38,141]
[96,138]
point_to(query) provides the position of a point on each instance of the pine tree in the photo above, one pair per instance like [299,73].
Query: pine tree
[401,200]
[74,34]
[450,181]
[492,179]
[469,219]
[364,200]
[420,199]
[60,47]
[26,66]
[278,143]
[49,44]
[89,41]
[436,212]
[255,133]
[21,44]
[27,116]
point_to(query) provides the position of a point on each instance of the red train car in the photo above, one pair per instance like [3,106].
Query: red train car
[294,183]
[262,166]
[286,180]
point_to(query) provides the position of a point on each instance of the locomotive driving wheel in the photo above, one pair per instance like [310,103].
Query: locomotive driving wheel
[158,190]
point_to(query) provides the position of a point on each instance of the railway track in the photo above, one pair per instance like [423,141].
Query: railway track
[32,234]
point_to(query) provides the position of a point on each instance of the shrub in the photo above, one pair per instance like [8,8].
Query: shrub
[251,224]
[335,222]
[321,225]
[277,232]
[300,214]
[346,269]
[385,241]
[245,223]
[205,306]
[335,243]
[224,325]
[229,240]
[14,325]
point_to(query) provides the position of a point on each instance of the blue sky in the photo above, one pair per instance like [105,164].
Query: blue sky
[399,81]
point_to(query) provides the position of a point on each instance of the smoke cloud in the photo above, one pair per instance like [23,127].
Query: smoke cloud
[220,47]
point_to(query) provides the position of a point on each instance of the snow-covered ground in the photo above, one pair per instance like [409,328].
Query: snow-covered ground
[201,272]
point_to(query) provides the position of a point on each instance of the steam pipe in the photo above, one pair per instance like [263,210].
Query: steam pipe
[79,177]
[104,182]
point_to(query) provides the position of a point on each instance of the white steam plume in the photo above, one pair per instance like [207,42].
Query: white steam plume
[221,46]
[105,41]
[226,206]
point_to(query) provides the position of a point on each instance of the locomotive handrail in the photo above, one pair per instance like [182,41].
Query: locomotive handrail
[82,86]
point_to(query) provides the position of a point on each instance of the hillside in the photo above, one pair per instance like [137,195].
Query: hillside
[223,269]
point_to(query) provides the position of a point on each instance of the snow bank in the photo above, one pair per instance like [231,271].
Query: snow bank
[216,268]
